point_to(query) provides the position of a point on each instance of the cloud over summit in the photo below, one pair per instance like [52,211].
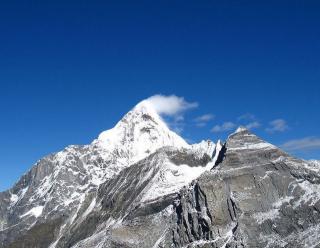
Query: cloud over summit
[170,105]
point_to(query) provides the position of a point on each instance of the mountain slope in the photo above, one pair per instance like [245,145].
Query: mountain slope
[258,196]
[254,196]
[139,194]
[141,185]
[61,186]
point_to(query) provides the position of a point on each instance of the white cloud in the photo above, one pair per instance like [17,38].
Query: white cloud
[307,143]
[170,105]
[172,109]
[278,125]
[206,117]
[252,125]
[202,120]
[227,126]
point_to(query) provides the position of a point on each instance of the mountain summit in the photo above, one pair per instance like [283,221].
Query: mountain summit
[138,134]
[141,185]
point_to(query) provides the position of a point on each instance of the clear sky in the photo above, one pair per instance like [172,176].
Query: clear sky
[71,69]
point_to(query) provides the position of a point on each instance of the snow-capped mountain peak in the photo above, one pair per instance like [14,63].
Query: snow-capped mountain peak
[69,181]
[139,133]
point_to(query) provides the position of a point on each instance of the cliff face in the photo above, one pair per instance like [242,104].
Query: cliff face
[258,196]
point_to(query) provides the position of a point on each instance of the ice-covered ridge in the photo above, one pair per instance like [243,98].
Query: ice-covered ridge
[204,147]
[172,176]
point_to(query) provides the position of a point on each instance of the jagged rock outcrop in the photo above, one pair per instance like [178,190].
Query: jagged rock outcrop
[258,196]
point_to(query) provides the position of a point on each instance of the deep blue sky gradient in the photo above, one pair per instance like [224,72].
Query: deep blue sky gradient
[71,69]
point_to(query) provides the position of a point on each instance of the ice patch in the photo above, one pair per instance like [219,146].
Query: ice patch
[36,212]
[15,198]
[90,208]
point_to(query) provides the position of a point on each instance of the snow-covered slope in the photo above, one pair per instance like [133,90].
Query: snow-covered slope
[65,183]
[315,164]
[141,189]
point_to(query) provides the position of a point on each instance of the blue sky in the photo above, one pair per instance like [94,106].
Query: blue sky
[71,70]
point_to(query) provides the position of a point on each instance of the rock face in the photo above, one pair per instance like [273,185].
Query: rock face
[258,196]
[141,185]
